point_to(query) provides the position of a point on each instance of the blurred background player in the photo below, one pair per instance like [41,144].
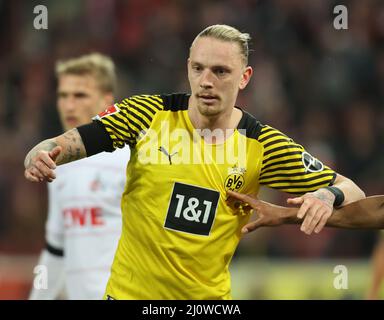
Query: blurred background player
[377,270]
[84,219]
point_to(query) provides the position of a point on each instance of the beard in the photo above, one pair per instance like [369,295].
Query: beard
[209,110]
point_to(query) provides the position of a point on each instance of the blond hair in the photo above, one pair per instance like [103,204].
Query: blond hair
[97,65]
[227,33]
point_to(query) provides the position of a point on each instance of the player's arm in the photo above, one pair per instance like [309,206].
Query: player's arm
[366,213]
[288,167]
[41,161]
[72,145]
[349,189]
[317,207]
[117,126]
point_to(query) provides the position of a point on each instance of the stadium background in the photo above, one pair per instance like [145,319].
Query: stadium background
[323,87]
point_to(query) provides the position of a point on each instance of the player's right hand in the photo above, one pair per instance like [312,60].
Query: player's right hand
[41,165]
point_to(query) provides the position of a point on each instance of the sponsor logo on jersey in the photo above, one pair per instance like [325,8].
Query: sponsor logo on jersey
[81,217]
[192,209]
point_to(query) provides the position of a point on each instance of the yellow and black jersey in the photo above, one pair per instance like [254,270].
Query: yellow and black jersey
[179,235]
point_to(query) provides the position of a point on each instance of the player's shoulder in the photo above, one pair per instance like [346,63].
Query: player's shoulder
[142,101]
[249,126]
[157,102]
[175,101]
[269,133]
[254,129]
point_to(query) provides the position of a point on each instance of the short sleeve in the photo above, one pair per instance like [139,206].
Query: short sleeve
[125,121]
[288,167]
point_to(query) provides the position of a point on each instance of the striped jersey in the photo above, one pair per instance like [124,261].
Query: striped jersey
[178,234]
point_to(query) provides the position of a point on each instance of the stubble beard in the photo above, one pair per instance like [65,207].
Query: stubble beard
[209,110]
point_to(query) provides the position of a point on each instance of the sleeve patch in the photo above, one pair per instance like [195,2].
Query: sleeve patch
[107,112]
[310,163]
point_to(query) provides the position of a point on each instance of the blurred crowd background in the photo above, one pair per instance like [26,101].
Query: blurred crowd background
[321,86]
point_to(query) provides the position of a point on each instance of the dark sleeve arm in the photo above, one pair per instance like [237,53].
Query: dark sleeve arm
[95,138]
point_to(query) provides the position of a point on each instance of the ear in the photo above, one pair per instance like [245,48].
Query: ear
[245,77]
[189,68]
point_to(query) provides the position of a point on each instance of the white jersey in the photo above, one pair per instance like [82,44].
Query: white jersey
[84,219]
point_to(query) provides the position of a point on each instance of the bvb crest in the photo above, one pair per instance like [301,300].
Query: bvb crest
[235,179]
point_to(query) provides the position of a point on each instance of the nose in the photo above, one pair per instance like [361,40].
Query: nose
[206,80]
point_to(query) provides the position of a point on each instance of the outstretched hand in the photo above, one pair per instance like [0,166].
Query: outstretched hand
[41,165]
[267,214]
[316,208]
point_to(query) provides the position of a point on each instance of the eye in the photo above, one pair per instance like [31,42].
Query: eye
[80,95]
[197,68]
[221,72]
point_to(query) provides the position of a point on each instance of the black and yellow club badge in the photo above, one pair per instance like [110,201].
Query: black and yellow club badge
[235,179]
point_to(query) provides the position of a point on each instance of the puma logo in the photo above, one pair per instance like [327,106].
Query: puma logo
[163,150]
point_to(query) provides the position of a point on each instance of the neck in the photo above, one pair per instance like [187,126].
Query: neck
[226,121]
